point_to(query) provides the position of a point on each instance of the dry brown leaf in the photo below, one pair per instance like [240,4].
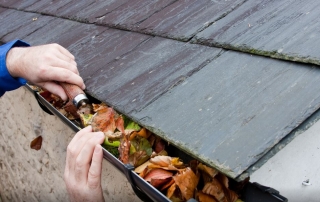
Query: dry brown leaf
[120,124]
[210,171]
[187,182]
[133,134]
[157,183]
[159,145]
[162,161]
[232,196]
[124,150]
[176,162]
[202,197]
[215,188]
[105,121]
[144,133]
[171,190]
[223,180]
[55,100]
[142,167]
[167,184]
[36,143]
[97,107]
[144,172]
[138,157]
[157,173]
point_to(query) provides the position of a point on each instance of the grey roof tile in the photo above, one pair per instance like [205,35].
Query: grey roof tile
[235,109]
[10,17]
[134,80]
[131,13]
[283,29]
[17,4]
[224,107]
[183,19]
[48,7]
[103,48]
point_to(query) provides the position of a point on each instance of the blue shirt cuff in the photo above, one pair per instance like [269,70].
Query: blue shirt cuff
[7,82]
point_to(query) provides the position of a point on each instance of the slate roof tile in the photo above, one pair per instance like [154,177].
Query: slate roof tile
[136,79]
[17,4]
[287,30]
[48,7]
[183,19]
[28,26]
[61,28]
[131,13]
[100,50]
[231,112]
[10,17]
[224,107]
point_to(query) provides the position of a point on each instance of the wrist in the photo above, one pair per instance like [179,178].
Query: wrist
[13,60]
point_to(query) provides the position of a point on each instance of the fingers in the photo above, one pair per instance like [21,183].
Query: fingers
[45,63]
[65,51]
[80,151]
[55,89]
[84,158]
[84,166]
[62,75]
[81,133]
[72,150]
[66,62]
[94,176]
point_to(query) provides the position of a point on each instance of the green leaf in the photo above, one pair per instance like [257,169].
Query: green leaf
[115,143]
[130,125]
[142,144]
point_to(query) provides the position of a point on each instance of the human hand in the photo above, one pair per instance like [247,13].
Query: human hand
[83,166]
[43,66]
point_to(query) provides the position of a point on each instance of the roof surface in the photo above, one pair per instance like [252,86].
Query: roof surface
[192,71]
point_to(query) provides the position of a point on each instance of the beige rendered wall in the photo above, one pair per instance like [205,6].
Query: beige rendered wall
[30,175]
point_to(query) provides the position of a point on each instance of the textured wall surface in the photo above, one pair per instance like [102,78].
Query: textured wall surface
[30,175]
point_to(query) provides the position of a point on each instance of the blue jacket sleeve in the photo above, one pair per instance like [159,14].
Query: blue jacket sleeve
[7,82]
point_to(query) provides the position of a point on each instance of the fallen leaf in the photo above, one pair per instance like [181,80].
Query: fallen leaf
[140,151]
[210,171]
[119,124]
[130,125]
[157,173]
[223,180]
[187,182]
[202,197]
[215,188]
[157,183]
[55,100]
[104,121]
[144,172]
[36,143]
[86,119]
[171,190]
[159,145]
[144,133]
[138,158]
[124,150]
[142,167]
[162,161]
[97,107]
[232,196]
[165,186]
